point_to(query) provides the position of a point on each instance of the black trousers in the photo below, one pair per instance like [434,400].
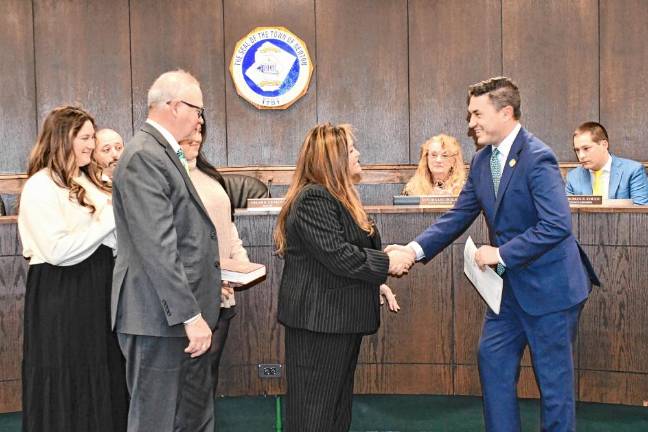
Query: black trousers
[218,342]
[319,369]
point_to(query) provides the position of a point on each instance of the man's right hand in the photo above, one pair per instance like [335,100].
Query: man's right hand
[401,258]
[200,337]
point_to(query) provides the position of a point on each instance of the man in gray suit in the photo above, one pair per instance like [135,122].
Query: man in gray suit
[165,298]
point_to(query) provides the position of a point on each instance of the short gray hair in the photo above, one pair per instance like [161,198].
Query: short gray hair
[169,86]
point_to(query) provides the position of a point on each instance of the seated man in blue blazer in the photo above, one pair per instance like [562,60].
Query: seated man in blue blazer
[602,173]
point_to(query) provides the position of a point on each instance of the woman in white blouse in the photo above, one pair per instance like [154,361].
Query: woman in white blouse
[73,372]
[211,189]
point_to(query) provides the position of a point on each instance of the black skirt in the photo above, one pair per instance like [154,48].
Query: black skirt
[73,371]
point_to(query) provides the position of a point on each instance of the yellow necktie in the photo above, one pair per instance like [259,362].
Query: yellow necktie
[597,189]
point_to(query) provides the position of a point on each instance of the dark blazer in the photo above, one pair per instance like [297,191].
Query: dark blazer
[529,220]
[627,181]
[333,269]
[167,267]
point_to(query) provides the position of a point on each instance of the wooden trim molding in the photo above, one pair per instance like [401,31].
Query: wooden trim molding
[371,174]
[12,183]
[282,175]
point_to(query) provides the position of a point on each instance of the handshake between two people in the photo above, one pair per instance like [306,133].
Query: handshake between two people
[401,259]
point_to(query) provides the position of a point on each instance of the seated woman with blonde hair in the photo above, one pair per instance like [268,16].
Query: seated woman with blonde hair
[440,169]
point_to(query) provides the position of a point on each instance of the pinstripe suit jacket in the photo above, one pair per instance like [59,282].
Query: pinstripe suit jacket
[333,269]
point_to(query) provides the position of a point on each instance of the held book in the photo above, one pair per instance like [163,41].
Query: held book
[241,272]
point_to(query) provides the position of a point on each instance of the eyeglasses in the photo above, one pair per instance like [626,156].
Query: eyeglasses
[199,110]
[441,156]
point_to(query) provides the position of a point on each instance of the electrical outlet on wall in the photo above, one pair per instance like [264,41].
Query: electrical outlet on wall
[270,370]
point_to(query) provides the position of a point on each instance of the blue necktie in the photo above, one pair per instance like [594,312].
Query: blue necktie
[496,173]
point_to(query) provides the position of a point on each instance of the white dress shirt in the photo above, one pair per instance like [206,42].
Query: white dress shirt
[55,230]
[504,149]
[505,146]
[166,134]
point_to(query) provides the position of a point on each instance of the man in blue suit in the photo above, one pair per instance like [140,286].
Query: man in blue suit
[515,182]
[602,173]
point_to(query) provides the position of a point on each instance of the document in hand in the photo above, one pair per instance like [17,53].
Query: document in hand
[488,283]
[241,272]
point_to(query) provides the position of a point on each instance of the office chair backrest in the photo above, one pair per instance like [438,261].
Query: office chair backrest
[241,187]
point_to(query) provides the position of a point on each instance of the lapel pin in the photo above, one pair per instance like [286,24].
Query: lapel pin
[512,163]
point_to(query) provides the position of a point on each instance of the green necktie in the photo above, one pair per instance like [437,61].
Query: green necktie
[496,173]
[496,169]
[183,159]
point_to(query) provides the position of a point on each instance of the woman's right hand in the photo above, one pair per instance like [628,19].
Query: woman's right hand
[226,291]
[387,293]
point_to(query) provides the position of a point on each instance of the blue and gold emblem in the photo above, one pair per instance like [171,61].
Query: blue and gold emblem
[271,68]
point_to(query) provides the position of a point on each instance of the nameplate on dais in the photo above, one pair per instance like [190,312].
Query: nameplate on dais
[585,199]
[264,203]
[425,200]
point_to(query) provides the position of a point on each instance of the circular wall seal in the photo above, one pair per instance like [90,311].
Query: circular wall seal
[271,67]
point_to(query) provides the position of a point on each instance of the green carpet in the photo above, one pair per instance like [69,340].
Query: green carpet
[464,414]
[410,414]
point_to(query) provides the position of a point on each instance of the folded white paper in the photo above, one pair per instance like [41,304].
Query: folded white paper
[488,283]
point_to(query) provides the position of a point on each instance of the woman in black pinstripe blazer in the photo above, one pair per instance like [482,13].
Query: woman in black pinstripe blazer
[329,293]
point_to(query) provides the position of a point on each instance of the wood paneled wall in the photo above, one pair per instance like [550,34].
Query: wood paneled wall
[430,347]
[17,85]
[167,35]
[396,69]
[452,44]
[13,276]
[624,59]
[551,49]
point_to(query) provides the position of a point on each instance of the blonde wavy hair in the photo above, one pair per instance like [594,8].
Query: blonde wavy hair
[53,150]
[422,183]
[323,160]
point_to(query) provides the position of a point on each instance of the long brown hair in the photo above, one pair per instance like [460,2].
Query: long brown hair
[323,160]
[53,150]
[422,182]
